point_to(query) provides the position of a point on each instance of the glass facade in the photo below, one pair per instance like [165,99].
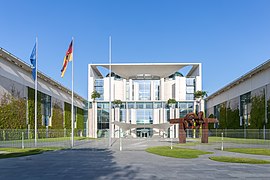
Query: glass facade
[46,107]
[185,108]
[144,92]
[245,107]
[102,119]
[190,88]
[142,99]
[99,87]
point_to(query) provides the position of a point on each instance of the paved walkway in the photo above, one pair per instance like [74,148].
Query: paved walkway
[90,161]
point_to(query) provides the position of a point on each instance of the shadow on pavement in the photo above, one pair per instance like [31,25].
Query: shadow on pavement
[85,163]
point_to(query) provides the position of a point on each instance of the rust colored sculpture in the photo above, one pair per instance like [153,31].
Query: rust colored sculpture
[191,121]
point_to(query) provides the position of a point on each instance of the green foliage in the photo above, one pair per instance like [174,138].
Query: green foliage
[80,121]
[233,119]
[31,109]
[223,117]
[117,102]
[200,94]
[57,117]
[176,152]
[95,95]
[15,152]
[268,114]
[238,160]
[257,113]
[228,118]
[171,102]
[257,151]
[67,115]
[211,125]
[12,112]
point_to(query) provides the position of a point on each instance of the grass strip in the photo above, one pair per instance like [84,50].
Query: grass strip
[16,152]
[257,151]
[176,152]
[238,160]
[238,140]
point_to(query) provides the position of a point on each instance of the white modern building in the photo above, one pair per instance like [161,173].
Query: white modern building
[247,99]
[144,90]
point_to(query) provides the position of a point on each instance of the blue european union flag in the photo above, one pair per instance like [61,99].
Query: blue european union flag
[33,62]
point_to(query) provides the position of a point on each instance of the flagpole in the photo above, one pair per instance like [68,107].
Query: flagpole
[36,93]
[110,99]
[72,105]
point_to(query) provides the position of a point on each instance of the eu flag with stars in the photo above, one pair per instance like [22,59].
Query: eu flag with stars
[33,62]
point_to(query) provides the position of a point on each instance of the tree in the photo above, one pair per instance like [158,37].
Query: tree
[95,95]
[200,94]
[171,102]
[117,103]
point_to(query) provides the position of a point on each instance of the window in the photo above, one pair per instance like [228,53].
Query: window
[189,96]
[185,108]
[99,87]
[190,89]
[144,89]
[190,81]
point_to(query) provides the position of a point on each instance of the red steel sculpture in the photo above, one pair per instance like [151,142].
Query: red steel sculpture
[193,121]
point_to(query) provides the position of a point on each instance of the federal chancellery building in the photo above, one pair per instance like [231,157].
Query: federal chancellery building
[143,90]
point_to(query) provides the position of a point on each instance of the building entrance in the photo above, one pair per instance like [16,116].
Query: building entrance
[144,132]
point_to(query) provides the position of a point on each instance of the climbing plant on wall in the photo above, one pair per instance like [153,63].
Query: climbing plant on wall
[57,116]
[222,117]
[232,119]
[268,114]
[257,112]
[12,112]
[31,109]
[80,121]
[67,112]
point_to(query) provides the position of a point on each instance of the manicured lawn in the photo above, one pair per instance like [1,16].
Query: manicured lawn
[59,139]
[16,152]
[176,152]
[238,160]
[257,151]
[238,140]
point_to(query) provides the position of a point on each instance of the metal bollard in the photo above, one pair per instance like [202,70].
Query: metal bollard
[222,141]
[22,140]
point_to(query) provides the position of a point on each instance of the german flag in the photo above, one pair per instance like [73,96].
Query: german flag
[67,58]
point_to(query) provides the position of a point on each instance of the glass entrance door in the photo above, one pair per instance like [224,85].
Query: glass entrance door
[143,132]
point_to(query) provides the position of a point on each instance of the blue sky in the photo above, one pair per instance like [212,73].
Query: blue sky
[229,37]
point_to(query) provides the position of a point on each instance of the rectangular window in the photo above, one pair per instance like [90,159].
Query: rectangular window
[157,105]
[99,87]
[190,89]
[131,105]
[189,96]
[190,81]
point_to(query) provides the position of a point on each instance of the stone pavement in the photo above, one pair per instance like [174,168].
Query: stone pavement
[91,160]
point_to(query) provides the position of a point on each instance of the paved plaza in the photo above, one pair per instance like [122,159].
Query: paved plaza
[92,160]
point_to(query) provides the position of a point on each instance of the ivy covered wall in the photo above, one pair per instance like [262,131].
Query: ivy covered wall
[257,113]
[67,115]
[57,116]
[80,119]
[230,119]
[12,112]
[31,109]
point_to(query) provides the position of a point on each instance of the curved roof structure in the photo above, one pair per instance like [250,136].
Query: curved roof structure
[161,70]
